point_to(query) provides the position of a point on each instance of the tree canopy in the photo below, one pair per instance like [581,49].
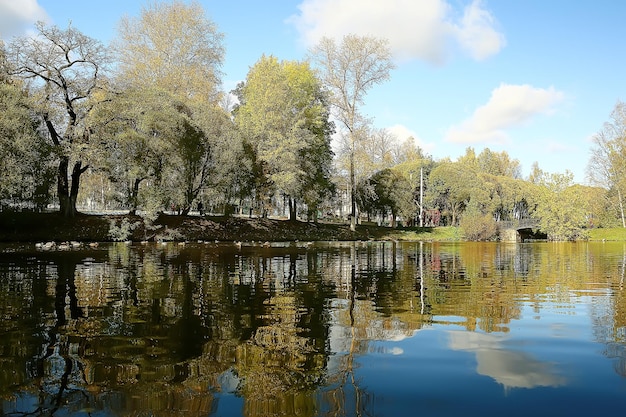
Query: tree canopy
[607,164]
[65,68]
[172,46]
[284,116]
[349,69]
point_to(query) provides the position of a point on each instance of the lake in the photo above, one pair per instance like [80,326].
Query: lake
[314,329]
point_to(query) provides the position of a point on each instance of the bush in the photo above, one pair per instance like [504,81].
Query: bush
[122,231]
[477,226]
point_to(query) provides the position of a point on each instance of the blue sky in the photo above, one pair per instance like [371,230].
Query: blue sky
[535,78]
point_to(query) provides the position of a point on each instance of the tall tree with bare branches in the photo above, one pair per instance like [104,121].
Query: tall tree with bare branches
[607,165]
[63,68]
[349,69]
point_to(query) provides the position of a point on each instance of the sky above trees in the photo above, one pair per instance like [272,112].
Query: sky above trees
[535,78]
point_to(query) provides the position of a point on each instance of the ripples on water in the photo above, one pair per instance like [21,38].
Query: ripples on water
[316,329]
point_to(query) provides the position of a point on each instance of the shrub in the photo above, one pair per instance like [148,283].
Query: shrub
[122,231]
[477,226]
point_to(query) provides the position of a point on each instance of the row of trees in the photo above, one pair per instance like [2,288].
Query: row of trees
[143,125]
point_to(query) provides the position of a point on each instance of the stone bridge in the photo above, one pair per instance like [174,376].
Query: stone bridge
[510,230]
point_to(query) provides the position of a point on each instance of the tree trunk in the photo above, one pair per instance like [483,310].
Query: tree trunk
[68,194]
[134,197]
[352,190]
[76,173]
[292,210]
[621,206]
[190,196]
[63,188]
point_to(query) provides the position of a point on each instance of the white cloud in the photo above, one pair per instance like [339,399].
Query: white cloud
[508,107]
[402,133]
[476,32]
[428,30]
[17,16]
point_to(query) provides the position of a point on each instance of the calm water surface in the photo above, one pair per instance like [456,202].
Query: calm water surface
[319,329]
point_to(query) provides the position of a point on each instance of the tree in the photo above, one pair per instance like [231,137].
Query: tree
[487,183]
[150,137]
[349,69]
[135,127]
[66,68]
[174,47]
[451,186]
[25,156]
[562,210]
[198,154]
[232,176]
[372,151]
[476,224]
[285,118]
[607,165]
[407,151]
[511,198]
[499,164]
[387,191]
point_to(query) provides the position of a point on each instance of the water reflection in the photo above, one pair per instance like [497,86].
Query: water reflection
[295,329]
[512,369]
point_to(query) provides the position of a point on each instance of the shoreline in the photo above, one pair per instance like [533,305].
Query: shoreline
[25,227]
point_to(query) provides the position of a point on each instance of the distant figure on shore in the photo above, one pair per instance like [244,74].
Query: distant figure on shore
[200,208]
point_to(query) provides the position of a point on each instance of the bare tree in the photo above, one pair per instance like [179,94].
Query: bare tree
[349,69]
[607,165]
[64,67]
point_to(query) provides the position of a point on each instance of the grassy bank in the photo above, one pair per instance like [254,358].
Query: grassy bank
[608,234]
[438,234]
[45,227]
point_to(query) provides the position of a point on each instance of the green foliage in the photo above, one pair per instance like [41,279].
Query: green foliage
[285,118]
[229,177]
[607,165]
[450,187]
[349,69]
[120,231]
[493,163]
[25,156]
[152,201]
[135,128]
[478,226]
[387,191]
[169,235]
[490,181]
[562,210]
[172,46]
[62,79]
[151,138]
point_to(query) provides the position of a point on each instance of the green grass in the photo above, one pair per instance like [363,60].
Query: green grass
[610,233]
[440,234]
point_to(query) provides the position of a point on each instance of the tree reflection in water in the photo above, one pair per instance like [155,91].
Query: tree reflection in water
[174,330]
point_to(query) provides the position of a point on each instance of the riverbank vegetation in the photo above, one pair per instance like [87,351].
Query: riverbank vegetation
[143,126]
[52,227]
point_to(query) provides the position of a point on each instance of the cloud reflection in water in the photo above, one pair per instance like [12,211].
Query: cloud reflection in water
[512,369]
